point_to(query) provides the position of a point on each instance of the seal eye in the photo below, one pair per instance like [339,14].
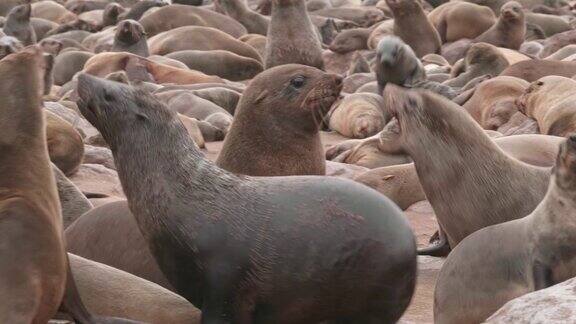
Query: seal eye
[108,97]
[298,82]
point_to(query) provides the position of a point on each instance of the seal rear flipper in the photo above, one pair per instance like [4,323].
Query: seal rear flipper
[542,275]
[73,305]
[438,247]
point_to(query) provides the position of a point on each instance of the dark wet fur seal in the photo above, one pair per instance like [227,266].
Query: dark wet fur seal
[289,101]
[297,250]
[292,37]
[130,37]
[137,11]
[111,13]
[508,260]
[18,24]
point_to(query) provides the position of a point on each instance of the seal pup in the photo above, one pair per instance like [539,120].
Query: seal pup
[18,24]
[32,275]
[276,126]
[254,22]
[509,260]
[130,37]
[292,37]
[480,193]
[413,27]
[350,40]
[296,251]
[510,29]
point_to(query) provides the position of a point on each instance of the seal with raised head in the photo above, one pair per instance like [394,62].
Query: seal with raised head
[441,137]
[130,37]
[276,125]
[509,30]
[32,275]
[481,59]
[509,260]
[18,24]
[413,27]
[292,37]
[295,251]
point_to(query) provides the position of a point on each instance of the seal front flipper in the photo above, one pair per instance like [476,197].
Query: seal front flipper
[542,275]
[438,247]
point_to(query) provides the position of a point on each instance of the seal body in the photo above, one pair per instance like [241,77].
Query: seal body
[292,37]
[32,275]
[351,244]
[489,188]
[509,30]
[509,260]
[18,24]
[276,125]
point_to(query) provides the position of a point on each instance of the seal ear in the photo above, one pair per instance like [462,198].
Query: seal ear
[261,96]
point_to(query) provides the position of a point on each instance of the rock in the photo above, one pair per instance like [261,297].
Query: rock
[99,155]
[556,304]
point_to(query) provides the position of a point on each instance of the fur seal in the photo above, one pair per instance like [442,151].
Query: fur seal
[113,292]
[550,24]
[67,64]
[65,146]
[509,30]
[175,16]
[18,24]
[362,16]
[130,37]
[350,40]
[73,202]
[140,8]
[509,260]
[413,27]
[199,38]
[556,42]
[550,101]
[358,115]
[481,59]
[52,11]
[533,70]
[33,275]
[254,22]
[490,189]
[222,63]
[289,101]
[111,14]
[236,277]
[494,101]
[458,19]
[292,37]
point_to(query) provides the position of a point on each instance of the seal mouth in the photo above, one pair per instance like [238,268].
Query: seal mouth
[322,97]
[84,89]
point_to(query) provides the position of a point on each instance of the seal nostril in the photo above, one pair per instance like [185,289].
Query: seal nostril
[572,138]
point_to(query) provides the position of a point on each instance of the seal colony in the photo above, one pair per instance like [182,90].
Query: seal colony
[186,155]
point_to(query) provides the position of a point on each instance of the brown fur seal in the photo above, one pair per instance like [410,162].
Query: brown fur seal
[290,102]
[130,37]
[509,260]
[18,24]
[232,276]
[174,16]
[550,24]
[254,22]
[102,232]
[533,70]
[292,37]
[73,202]
[258,42]
[42,26]
[199,38]
[556,42]
[494,101]
[350,40]
[509,30]
[222,63]
[140,8]
[550,101]
[481,59]
[51,46]
[67,64]
[106,63]
[65,146]
[33,275]
[113,292]
[457,20]
[52,11]
[489,189]
[111,13]
[80,6]
[358,115]
[362,16]
[413,27]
